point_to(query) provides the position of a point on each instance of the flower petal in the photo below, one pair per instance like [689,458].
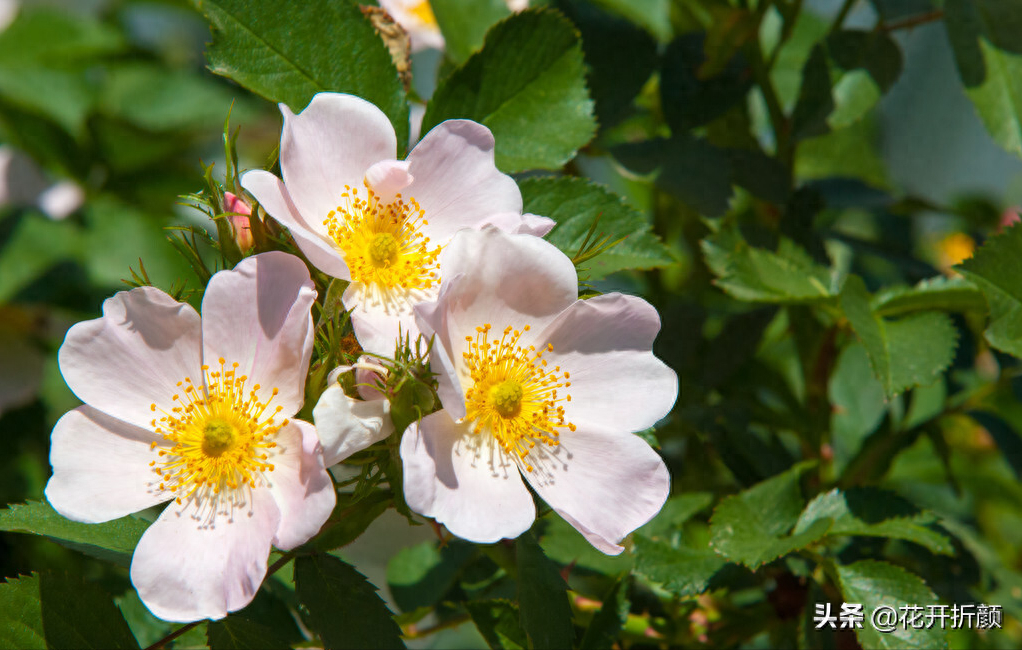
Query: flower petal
[387,178]
[186,571]
[346,425]
[465,482]
[311,239]
[258,315]
[605,485]
[382,316]
[328,145]
[456,181]
[134,355]
[101,467]
[605,343]
[300,485]
[520,224]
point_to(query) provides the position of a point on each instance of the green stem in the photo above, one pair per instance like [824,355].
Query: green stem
[841,15]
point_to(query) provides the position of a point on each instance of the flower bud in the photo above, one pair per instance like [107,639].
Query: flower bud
[240,220]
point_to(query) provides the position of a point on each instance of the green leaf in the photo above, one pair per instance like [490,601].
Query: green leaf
[236,632]
[940,293]
[574,203]
[871,512]
[21,618]
[542,597]
[464,24]
[565,545]
[118,235]
[684,571]
[996,268]
[344,608]
[63,96]
[613,80]
[158,99]
[678,509]
[752,527]
[873,51]
[911,351]
[113,540]
[53,36]
[858,403]
[984,38]
[420,575]
[498,622]
[692,169]
[876,584]
[849,152]
[78,614]
[603,630]
[351,518]
[527,85]
[815,102]
[786,276]
[652,15]
[36,244]
[690,99]
[288,52]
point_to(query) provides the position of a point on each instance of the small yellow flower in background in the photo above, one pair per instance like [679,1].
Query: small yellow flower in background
[952,250]
[196,412]
[417,18]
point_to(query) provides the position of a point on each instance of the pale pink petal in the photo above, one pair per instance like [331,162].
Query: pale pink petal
[300,485]
[606,485]
[388,178]
[456,181]
[605,344]
[257,315]
[313,241]
[328,145]
[101,467]
[520,224]
[436,323]
[505,280]
[464,481]
[347,425]
[185,570]
[134,355]
[381,316]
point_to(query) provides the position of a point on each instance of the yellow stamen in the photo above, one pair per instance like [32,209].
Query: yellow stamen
[382,242]
[219,434]
[513,397]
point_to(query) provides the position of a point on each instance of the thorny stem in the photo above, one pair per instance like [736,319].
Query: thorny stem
[276,566]
[412,632]
[914,21]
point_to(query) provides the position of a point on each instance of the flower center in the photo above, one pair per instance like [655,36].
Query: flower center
[513,395]
[220,433]
[424,12]
[383,250]
[383,243]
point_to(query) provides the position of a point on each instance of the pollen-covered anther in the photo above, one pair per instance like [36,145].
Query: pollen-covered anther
[218,433]
[513,396]
[383,243]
